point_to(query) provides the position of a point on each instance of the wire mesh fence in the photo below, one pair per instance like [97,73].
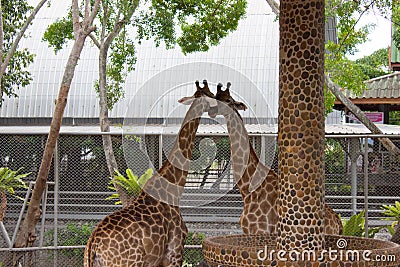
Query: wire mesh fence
[360,175]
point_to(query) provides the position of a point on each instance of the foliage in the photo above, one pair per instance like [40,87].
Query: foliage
[376,64]
[16,74]
[394,117]
[355,226]
[63,29]
[223,149]
[343,71]
[201,23]
[72,235]
[396,23]
[10,180]
[392,211]
[133,184]
[193,256]
[334,157]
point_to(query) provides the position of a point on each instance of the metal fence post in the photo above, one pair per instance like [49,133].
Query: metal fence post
[366,185]
[354,154]
[56,184]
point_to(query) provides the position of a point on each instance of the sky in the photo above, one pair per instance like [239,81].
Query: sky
[380,37]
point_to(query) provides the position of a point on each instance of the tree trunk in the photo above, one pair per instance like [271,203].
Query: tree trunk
[3,205]
[105,123]
[386,142]
[27,234]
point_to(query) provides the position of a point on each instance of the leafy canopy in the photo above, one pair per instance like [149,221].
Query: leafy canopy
[193,25]
[16,75]
[343,71]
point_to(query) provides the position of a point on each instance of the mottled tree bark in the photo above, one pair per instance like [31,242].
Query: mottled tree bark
[3,205]
[104,44]
[27,234]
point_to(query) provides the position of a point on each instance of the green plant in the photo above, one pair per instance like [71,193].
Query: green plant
[9,181]
[132,184]
[72,235]
[193,256]
[355,226]
[393,213]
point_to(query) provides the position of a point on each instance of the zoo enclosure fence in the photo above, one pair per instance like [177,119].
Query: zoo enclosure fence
[358,177]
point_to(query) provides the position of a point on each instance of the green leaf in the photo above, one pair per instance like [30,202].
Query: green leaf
[132,184]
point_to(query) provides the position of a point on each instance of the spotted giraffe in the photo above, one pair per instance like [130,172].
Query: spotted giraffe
[150,231]
[257,183]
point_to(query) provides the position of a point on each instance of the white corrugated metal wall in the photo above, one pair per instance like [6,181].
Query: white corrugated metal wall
[248,57]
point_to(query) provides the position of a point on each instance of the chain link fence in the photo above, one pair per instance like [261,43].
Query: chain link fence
[78,185]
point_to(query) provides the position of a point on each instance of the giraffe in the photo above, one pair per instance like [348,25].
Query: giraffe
[150,231]
[257,183]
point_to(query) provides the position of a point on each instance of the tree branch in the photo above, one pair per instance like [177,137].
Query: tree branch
[335,89]
[19,36]
[94,40]
[274,6]
[75,17]
[386,142]
[119,24]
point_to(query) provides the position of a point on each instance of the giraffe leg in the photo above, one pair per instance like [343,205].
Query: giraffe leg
[177,237]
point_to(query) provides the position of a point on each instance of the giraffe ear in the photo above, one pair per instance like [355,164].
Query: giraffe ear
[188,100]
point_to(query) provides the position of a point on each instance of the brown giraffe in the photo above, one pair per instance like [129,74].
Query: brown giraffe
[257,183]
[150,231]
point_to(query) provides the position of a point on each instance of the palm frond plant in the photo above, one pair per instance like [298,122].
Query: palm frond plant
[393,213]
[132,183]
[355,226]
[9,181]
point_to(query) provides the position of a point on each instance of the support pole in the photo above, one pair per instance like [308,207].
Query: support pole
[366,185]
[354,154]
[56,185]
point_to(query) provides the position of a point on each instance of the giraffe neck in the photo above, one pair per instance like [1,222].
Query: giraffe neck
[249,171]
[168,183]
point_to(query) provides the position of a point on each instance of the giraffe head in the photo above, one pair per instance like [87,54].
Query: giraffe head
[224,97]
[200,92]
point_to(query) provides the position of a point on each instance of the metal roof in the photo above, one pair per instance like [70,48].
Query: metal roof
[204,129]
[387,86]
[248,57]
